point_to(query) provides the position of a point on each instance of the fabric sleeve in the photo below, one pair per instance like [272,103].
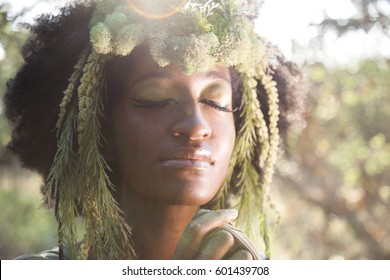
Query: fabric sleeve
[52,254]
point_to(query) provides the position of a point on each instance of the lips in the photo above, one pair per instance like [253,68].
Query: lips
[189,158]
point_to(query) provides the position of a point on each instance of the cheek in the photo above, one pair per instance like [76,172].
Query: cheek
[136,153]
[225,135]
[134,138]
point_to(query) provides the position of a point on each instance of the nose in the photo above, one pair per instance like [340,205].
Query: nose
[192,124]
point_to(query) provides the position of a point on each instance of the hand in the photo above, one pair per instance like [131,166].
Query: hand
[206,239]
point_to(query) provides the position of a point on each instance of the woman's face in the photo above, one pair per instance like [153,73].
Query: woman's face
[172,134]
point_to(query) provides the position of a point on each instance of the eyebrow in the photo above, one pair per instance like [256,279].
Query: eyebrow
[217,75]
[154,75]
[171,76]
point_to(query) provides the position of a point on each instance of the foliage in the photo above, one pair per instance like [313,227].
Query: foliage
[201,34]
[333,182]
[10,42]
[369,14]
[25,226]
[338,167]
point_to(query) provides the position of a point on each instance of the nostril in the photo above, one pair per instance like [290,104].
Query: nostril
[193,136]
[193,133]
[199,136]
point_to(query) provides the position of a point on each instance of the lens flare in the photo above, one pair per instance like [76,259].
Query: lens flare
[157,9]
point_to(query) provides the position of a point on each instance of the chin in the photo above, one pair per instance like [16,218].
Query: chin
[188,194]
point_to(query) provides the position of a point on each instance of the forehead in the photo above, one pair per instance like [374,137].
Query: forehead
[141,66]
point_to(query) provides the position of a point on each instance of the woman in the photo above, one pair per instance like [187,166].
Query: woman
[150,121]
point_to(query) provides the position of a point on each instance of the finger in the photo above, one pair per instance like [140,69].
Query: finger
[216,245]
[201,212]
[242,255]
[195,231]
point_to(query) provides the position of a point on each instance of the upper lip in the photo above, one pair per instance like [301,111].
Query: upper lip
[188,153]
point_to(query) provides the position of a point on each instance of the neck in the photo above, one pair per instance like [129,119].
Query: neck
[157,227]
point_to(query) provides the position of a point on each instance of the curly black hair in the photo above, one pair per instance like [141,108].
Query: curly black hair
[33,96]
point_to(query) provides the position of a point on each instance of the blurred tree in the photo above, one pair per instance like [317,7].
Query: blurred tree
[25,228]
[340,165]
[365,20]
[10,41]
[334,179]
[369,14]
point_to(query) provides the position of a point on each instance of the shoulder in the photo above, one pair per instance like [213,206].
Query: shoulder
[52,254]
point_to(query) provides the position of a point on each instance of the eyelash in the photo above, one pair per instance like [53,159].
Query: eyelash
[152,104]
[216,105]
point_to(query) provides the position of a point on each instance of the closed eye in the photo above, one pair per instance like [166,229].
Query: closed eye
[145,103]
[216,105]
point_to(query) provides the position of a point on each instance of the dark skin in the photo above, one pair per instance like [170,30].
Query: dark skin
[171,137]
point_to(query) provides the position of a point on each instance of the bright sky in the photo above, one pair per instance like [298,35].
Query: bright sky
[282,21]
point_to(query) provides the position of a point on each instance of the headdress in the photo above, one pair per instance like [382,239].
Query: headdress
[195,35]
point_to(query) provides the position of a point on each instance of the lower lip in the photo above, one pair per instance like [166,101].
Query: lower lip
[187,164]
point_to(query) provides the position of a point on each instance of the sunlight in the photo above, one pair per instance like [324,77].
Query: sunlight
[2,52]
[157,9]
[282,22]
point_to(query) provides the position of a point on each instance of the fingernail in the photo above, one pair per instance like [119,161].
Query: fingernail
[232,213]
